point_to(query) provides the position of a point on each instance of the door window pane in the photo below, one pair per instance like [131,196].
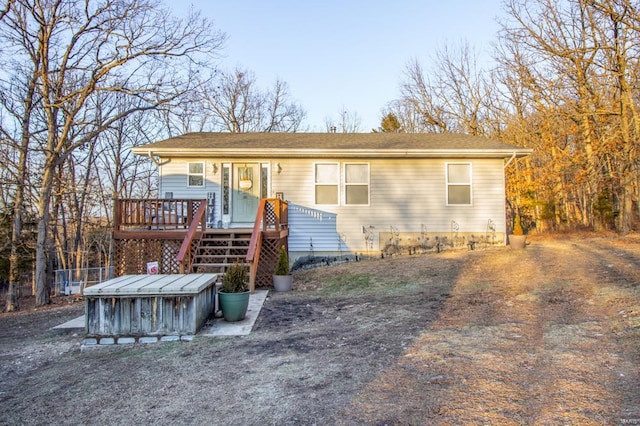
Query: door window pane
[226,184]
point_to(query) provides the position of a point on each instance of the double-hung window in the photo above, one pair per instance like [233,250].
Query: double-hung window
[459,184]
[356,183]
[327,183]
[195,174]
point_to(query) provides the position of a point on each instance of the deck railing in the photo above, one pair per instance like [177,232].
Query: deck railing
[147,230]
[169,230]
[161,213]
[272,217]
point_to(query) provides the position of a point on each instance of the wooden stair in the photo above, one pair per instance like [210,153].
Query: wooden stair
[220,248]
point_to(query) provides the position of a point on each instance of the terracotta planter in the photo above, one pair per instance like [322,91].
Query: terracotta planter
[517,241]
[283,282]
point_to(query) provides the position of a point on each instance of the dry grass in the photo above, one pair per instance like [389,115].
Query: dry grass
[525,338]
[549,335]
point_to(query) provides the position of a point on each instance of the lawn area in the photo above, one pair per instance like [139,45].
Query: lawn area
[545,335]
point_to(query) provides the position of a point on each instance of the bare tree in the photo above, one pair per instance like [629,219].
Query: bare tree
[6,8]
[576,61]
[411,121]
[81,49]
[347,122]
[234,103]
[19,101]
[451,97]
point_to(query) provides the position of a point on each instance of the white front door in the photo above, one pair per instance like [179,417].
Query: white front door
[246,192]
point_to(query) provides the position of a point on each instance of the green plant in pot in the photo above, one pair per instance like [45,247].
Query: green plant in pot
[234,294]
[282,278]
[517,239]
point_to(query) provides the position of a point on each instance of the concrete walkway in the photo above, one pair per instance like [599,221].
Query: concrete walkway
[219,327]
[74,323]
[241,328]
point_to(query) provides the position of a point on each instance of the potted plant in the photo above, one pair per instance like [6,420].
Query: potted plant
[282,278]
[517,239]
[234,294]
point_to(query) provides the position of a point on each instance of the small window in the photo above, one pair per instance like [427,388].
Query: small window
[196,174]
[327,180]
[356,184]
[226,183]
[264,180]
[459,184]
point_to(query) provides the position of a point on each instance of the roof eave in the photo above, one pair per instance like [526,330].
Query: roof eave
[337,153]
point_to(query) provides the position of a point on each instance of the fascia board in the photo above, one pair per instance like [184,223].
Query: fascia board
[324,153]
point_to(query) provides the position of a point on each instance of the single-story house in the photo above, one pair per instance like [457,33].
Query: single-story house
[347,192]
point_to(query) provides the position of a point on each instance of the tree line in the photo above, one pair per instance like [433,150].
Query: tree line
[82,81]
[564,81]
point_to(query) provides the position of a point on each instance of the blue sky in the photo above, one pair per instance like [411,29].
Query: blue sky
[336,54]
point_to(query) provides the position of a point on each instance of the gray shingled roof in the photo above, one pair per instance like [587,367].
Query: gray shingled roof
[305,144]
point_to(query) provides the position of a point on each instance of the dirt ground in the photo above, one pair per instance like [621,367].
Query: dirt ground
[546,335]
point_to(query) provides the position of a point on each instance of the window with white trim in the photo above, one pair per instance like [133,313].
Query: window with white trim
[459,184]
[327,182]
[195,174]
[356,183]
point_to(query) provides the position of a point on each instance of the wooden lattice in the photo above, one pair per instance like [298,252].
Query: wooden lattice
[269,253]
[269,214]
[132,255]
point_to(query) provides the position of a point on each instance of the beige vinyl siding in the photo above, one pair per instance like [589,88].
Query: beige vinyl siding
[405,194]
[408,194]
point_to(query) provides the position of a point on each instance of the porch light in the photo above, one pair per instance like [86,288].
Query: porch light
[214,168]
[278,168]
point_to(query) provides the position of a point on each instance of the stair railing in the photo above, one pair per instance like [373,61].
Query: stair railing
[272,215]
[185,255]
[253,253]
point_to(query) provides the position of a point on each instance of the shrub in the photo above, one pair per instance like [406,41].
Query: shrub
[282,268]
[517,225]
[235,279]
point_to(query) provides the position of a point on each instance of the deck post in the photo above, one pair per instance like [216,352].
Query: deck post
[252,276]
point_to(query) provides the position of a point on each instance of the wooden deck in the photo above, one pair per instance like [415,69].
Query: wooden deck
[174,233]
[149,305]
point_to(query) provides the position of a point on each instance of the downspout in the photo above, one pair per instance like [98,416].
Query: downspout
[513,156]
[510,160]
[158,163]
[156,160]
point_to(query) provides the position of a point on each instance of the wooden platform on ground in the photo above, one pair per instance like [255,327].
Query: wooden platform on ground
[149,305]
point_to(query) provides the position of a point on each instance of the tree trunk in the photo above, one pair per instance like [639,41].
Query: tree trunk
[14,258]
[42,283]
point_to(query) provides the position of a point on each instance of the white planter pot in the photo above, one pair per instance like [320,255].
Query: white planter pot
[283,282]
[517,242]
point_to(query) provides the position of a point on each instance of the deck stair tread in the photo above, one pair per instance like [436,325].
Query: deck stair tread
[221,256]
[218,250]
